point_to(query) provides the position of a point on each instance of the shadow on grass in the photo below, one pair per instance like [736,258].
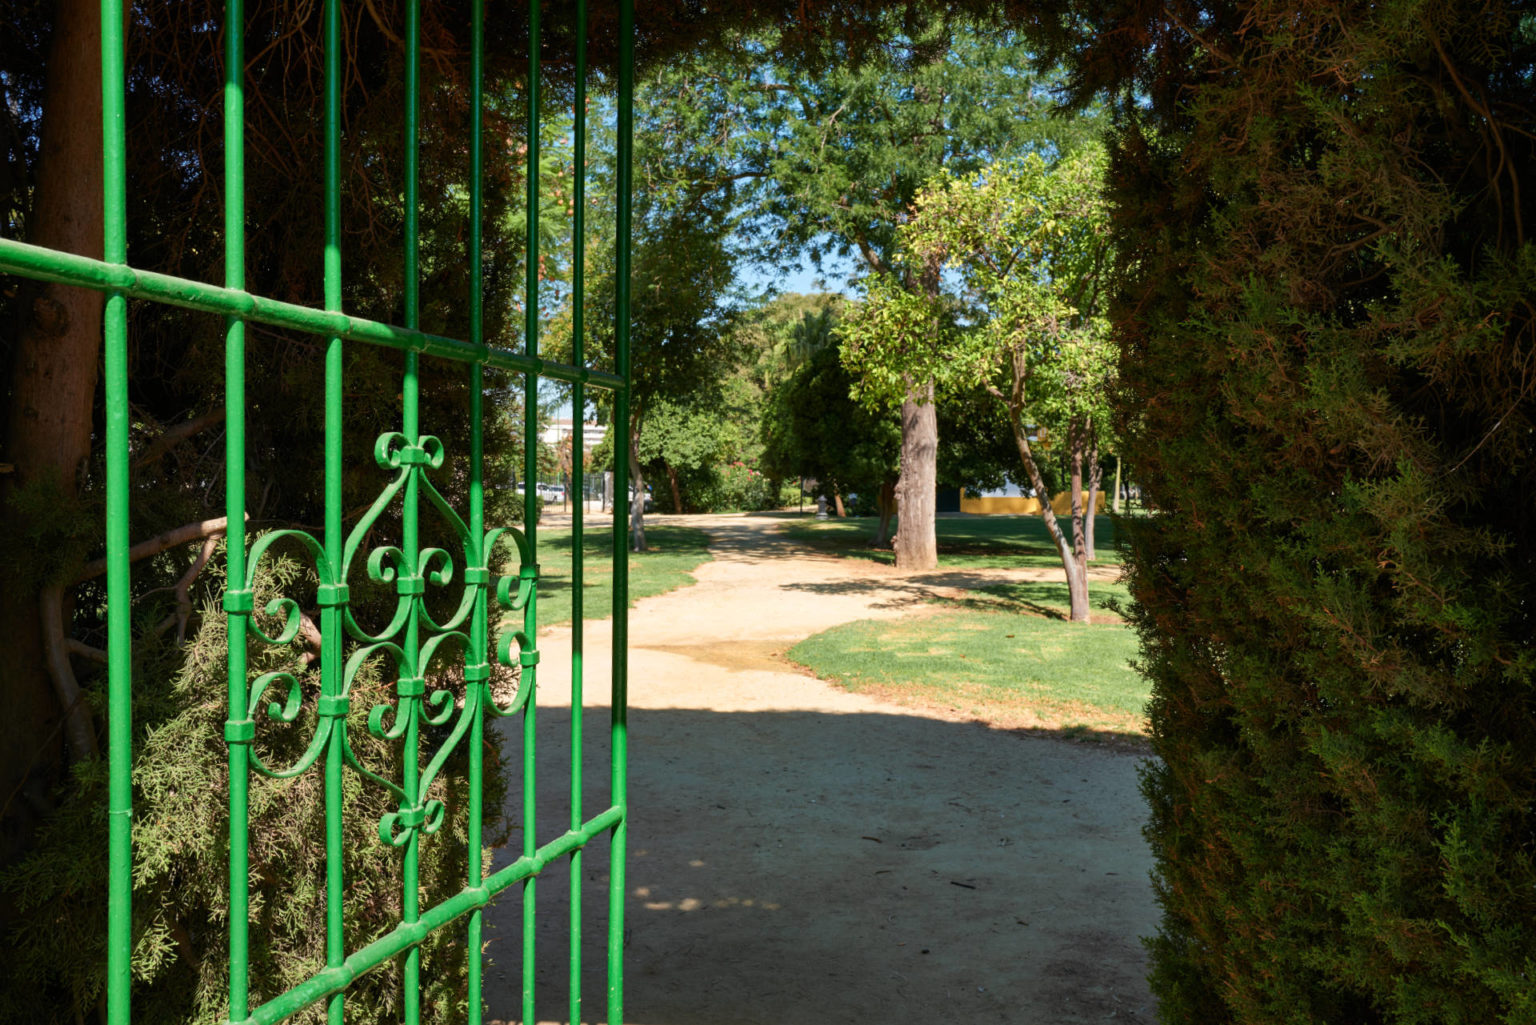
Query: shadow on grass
[1011,540]
[1046,599]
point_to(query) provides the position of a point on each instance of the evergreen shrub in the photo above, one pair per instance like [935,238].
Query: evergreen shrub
[55,965]
[1327,325]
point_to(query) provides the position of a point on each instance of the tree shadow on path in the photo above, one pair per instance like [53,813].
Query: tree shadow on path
[806,868]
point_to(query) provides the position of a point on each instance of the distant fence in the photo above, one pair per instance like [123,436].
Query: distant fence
[1016,505]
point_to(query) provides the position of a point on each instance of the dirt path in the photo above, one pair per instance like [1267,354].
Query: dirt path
[801,854]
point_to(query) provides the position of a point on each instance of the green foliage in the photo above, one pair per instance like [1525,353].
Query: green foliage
[813,428]
[1027,242]
[841,147]
[1325,326]
[57,949]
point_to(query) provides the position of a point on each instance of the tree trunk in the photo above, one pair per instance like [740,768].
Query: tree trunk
[677,494]
[48,425]
[837,504]
[1078,441]
[1115,503]
[1095,479]
[637,483]
[887,504]
[1077,575]
[916,491]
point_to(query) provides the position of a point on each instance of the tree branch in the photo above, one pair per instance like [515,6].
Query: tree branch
[175,435]
[159,543]
[79,731]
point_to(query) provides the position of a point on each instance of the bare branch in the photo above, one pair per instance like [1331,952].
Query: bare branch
[79,731]
[84,650]
[159,543]
[175,435]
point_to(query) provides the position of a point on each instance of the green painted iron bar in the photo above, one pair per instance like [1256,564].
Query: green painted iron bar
[410,543]
[532,500]
[40,264]
[403,936]
[234,506]
[331,684]
[578,453]
[119,596]
[479,625]
[619,729]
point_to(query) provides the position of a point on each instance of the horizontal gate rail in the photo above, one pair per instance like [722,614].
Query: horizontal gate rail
[404,936]
[61,268]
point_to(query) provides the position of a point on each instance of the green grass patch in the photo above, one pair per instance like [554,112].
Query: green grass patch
[980,542]
[675,552]
[998,666]
[1047,598]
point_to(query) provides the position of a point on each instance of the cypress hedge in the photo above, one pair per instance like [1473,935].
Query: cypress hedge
[1325,316]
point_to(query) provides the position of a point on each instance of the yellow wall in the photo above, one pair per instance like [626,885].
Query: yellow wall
[1061,505]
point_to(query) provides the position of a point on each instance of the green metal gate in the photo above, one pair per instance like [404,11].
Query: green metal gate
[412,637]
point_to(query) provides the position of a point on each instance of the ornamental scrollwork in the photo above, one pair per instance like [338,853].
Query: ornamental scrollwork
[406,646]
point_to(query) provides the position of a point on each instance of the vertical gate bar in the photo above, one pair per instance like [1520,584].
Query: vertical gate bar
[410,704]
[119,625]
[620,701]
[479,626]
[234,507]
[532,501]
[578,452]
[331,613]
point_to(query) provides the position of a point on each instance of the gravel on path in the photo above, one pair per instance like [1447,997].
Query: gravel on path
[803,855]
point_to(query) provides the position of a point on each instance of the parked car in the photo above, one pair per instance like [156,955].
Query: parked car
[552,492]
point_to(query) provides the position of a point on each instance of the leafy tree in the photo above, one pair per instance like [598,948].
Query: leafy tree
[846,147]
[1027,240]
[813,428]
[684,261]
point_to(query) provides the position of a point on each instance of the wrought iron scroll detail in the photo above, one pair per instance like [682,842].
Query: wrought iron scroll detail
[414,702]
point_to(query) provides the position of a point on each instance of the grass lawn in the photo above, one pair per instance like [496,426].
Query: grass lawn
[674,553]
[1002,667]
[964,541]
[1004,653]
[1047,598]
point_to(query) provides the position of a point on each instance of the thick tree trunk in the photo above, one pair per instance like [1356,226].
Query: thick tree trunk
[1095,478]
[48,426]
[916,491]
[677,494]
[887,506]
[837,504]
[637,483]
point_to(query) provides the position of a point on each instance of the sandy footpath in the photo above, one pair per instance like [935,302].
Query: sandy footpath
[801,854]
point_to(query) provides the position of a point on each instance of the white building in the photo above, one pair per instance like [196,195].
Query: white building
[556,432]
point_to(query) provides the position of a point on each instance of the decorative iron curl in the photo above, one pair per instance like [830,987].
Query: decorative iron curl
[286,712]
[287,608]
[445,699]
[441,577]
[393,450]
[355,540]
[396,827]
[376,714]
[526,657]
[527,572]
